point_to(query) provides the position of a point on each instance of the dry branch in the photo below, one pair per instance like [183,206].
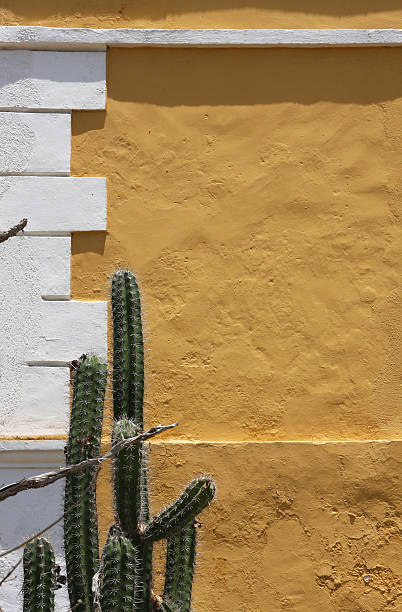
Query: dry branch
[13,231]
[43,480]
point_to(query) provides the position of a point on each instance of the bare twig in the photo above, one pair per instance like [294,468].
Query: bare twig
[43,480]
[13,231]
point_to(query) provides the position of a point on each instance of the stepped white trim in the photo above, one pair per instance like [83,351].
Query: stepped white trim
[41,328]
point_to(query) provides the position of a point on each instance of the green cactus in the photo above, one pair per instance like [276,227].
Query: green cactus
[124,580]
[183,511]
[180,562]
[80,513]
[118,574]
[39,576]
[128,349]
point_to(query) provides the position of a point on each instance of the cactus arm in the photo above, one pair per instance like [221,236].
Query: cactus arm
[128,348]
[39,576]
[118,571]
[80,516]
[180,563]
[182,511]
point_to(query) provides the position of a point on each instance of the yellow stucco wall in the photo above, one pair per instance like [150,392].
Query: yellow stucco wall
[204,13]
[255,194]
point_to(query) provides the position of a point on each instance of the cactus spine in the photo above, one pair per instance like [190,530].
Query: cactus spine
[80,514]
[39,576]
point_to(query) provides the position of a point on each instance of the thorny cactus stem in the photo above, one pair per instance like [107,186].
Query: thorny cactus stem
[128,349]
[39,576]
[80,513]
[180,563]
[118,574]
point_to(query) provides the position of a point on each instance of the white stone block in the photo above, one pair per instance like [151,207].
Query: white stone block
[43,407]
[35,143]
[52,80]
[53,204]
[51,256]
[68,329]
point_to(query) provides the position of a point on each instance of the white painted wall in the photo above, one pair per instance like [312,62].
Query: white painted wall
[29,512]
[35,143]
[52,80]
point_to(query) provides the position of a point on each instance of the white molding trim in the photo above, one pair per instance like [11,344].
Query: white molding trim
[45,38]
[31,453]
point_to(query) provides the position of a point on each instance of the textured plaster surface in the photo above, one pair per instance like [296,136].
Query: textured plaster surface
[204,13]
[263,224]
[52,80]
[295,527]
[35,143]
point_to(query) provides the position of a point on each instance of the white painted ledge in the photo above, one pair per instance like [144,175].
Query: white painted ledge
[35,143]
[53,204]
[38,37]
[51,80]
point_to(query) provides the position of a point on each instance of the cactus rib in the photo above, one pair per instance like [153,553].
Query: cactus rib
[39,576]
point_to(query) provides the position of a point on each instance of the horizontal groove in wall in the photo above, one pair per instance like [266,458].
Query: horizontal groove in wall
[47,364]
[34,174]
[36,111]
[43,234]
[265,442]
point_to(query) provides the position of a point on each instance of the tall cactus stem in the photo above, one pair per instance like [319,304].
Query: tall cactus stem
[39,576]
[128,348]
[80,516]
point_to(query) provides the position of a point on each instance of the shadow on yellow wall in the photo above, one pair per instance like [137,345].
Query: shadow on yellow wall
[173,77]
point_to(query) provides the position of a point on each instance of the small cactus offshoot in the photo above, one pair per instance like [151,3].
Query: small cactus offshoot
[39,576]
